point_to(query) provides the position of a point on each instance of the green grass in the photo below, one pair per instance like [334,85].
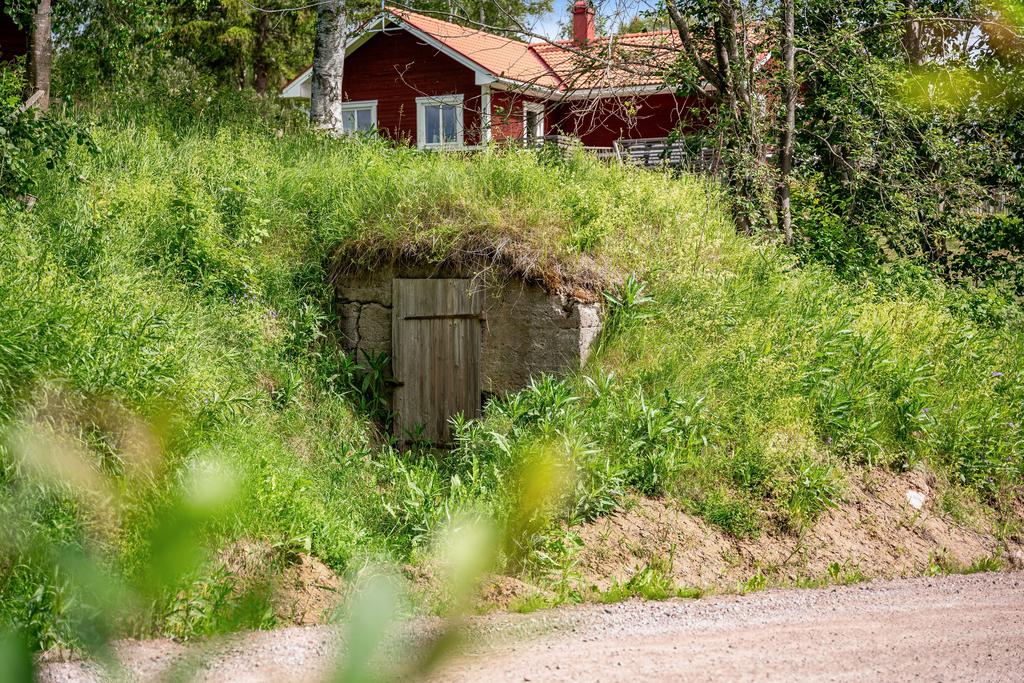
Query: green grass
[652,582]
[531,603]
[172,291]
[756,583]
[940,563]
[985,564]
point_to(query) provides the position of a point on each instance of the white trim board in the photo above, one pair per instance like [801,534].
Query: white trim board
[536,108]
[485,114]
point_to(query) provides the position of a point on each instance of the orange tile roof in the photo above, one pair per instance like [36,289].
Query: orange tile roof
[503,57]
[636,59]
[606,62]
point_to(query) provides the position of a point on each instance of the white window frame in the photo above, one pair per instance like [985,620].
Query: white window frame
[456,101]
[537,108]
[361,104]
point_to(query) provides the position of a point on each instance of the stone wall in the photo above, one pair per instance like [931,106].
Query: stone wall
[526,330]
[364,308]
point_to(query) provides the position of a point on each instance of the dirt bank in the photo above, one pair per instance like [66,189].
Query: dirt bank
[887,526]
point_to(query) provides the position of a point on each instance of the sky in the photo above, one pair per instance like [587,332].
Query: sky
[547,25]
[617,11]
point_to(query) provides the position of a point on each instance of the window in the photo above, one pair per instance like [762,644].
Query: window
[359,117]
[439,122]
[533,122]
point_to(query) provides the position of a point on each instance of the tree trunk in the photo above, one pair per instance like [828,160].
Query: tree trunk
[40,55]
[328,66]
[789,125]
[260,60]
[729,69]
[735,69]
[912,34]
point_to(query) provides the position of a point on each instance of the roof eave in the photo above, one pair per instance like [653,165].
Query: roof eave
[527,88]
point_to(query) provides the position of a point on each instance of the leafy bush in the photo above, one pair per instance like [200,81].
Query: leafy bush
[732,515]
[652,582]
[812,490]
[29,141]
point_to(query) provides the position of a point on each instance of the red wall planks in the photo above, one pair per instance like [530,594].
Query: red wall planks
[395,68]
[507,115]
[602,121]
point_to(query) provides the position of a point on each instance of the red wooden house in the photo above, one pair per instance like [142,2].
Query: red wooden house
[442,85]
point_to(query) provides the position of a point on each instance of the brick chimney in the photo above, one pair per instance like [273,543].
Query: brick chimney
[583,28]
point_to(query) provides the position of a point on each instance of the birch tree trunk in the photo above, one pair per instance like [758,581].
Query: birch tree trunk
[785,211]
[40,56]
[328,66]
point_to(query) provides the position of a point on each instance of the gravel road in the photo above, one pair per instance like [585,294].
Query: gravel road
[930,629]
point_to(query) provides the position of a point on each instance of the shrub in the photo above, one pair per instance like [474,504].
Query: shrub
[811,490]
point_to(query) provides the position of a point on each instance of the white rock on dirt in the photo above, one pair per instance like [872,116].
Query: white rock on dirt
[916,499]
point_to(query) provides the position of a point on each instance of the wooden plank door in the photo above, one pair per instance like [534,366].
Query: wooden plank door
[436,335]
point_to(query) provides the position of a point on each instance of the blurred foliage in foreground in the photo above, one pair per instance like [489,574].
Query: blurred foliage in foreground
[98,602]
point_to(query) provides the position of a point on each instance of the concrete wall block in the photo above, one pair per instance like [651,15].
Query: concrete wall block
[519,300]
[374,287]
[518,348]
[589,315]
[349,314]
[590,328]
[588,338]
[374,325]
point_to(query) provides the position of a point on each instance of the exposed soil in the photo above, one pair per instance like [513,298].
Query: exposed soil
[955,627]
[308,591]
[888,526]
[495,591]
[502,591]
[303,590]
[943,628]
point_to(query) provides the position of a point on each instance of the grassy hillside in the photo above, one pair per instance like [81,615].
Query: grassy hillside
[164,310]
